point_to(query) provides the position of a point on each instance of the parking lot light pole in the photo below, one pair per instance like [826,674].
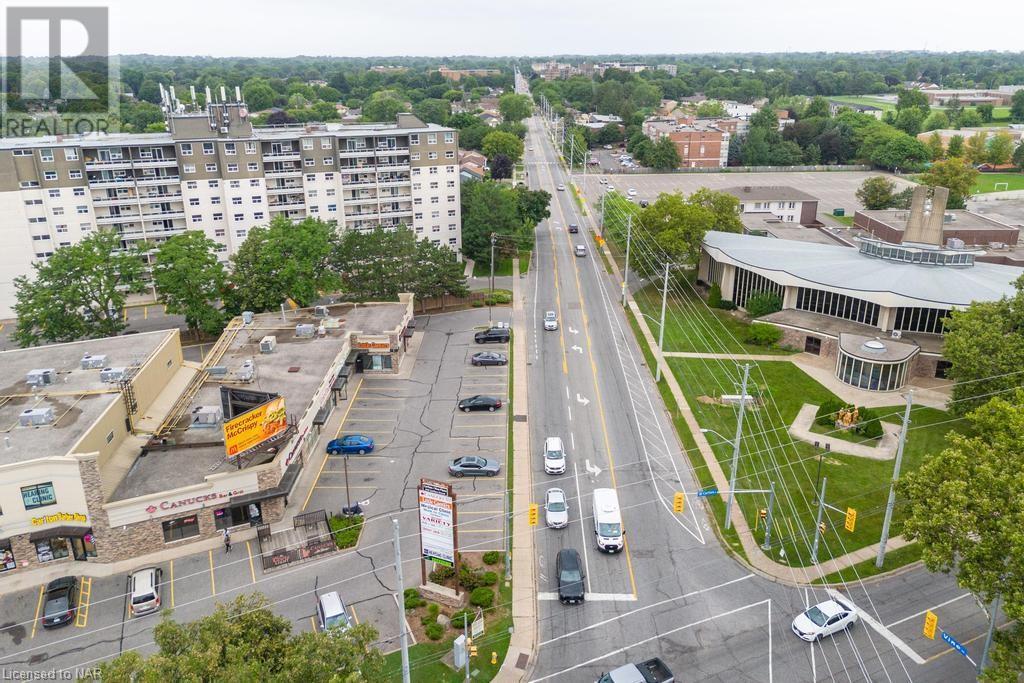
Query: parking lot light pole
[348,496]
[490,300]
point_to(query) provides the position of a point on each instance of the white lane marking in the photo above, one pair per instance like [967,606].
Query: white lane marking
[567,394]
[645,608]
[663,634]
[577,349]
[583,533]
[573,330]
[769,639]
[593,597]
[582,399]
[881,630]
[572,440]
[569,408]
[921,613]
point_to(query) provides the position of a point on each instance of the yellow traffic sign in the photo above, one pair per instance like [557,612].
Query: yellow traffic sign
[931,620]
[851,519]
[678,502]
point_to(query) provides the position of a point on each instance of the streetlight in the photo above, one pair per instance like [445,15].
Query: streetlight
[735,447]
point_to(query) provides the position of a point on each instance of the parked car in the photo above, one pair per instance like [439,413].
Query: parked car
[569,571]
[61,602]
[331,613]
[473,466]
[495,335]
[573,228]
[550,321]
[824,619]
[556,510]
[643,203]
[489,358]
[631,192]
[603,181]
[144,589]
[607,146]
[350,443]
[479,402]
[561,187]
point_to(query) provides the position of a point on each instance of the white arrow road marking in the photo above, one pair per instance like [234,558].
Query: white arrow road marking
[592,470]
[582,399]
[573,330]
[577,349]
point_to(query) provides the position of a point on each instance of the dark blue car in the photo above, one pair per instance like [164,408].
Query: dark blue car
[350,443]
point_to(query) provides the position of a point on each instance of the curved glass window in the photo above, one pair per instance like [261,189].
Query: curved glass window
[872,375]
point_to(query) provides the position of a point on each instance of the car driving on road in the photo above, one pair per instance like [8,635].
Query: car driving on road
[569,572]
[61,602]
[554,455]
[550,321]
[479,402]
[573,228]
[473,466]
[350,443]
[489,358]
[556,510]
[824,619]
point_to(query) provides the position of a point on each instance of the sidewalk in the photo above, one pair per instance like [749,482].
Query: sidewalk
[885,450]
[519,658]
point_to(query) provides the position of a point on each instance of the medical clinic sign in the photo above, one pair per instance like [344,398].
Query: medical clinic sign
[437,524]
[255,426]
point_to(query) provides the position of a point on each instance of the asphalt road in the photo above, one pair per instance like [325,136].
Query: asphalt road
[674,592]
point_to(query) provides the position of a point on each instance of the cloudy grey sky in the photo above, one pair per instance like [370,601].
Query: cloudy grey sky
[281,28]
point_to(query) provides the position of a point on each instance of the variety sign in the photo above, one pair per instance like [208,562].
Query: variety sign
[437,529]
[253,427]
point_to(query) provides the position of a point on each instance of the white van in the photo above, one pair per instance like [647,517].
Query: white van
[607,521]
[581,250]
[144,589]
[554,455]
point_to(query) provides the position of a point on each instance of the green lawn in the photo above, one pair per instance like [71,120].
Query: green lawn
[845,220]
[863,99]
[987,182]
[862,570]
[769,454]
[502,266]
[688,324]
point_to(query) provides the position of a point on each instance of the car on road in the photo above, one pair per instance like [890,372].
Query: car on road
[607,146]
[643,203]
[556,510]
[609,188]
[554,455]
[824,619]
[550,321]
[495,335]
[473,466]
[331,614]
[350,443]
[489,358]
[569,572]
[603,181]
[144,589]
[573,228]
[61,602]
[631,192]
[479,402]
[581,250]
[650,671]
[531,149]
[561,187]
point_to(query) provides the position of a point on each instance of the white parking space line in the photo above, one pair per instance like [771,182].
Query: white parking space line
[921,613]
[879,628]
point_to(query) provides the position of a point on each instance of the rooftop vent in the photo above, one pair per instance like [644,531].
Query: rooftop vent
[207,416]
[40,377]
[247,317]
[320,311]
[305,331]
[268,344]
[35,417]
[874,345]
[94,361]
[111,375]
[247,372]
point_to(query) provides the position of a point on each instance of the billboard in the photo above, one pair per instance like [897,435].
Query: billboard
[437,530]
[255,426]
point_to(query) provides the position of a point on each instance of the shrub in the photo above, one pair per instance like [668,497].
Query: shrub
[413,599]
[428,619]
[434,631]
[492,557]
[459,619]
[488,578]
[761,334]
[345,529]
[469,578]
[482,597]
[433,609]
[763,303]
[478,304]
[828,411]
[869,425]
[727,305]
[715,296]
[441,574]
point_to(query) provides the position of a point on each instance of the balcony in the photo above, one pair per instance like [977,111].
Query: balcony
[111,182]
[287,173]
[122,218]
[173,213]
[361,200]
[157,197]
[403,182]
[284,206]
[271,157]
[352,153]
[107,164]
[158,180]
[391,150]
[396,212]
[154,163]
[290,189]
[393,167]
[114,201]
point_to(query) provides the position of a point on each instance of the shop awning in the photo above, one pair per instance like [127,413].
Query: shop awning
[63,531]
[321,416]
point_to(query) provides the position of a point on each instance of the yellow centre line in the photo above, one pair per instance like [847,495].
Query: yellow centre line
[593,376]
[145,313]
[213,582]
[39,606]
[252,567]
[351,403]
[172,584]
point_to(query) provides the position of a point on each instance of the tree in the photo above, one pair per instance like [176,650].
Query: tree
[969,118]
[383,106]
[976,148]
[432,111]
[960,511]
[258,94]
[817,107]
[711,109]
[609,134]
[955,148]
[985,345]
[756,150]
[956,175]
[190,280]
[243,640]
[498,142]
[894,149]
[664,156]
[487,207]
[937,120]
[677,227]
[912,99]
[986,111]
[910,120]
[501,167]
[935,146]
[532,205]
[79,292]
[1000,149]
[1017,106]
[724,206]
[375,265]
[514,107]
[877,192]
[1018,157]
[283,261]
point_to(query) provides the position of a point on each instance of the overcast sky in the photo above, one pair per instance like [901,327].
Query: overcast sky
[361,28]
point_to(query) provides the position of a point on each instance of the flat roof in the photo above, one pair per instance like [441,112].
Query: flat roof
[962,220]
[78,397]
[842,268]
[768,192]
[875,348]
[782,230]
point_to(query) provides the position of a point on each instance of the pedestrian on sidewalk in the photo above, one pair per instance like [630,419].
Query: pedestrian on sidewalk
[227,541]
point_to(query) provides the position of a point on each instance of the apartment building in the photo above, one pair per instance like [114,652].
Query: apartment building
[213,171]
[700,144]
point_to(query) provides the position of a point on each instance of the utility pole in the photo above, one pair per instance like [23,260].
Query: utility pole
[603,195]
[465,634]
[348,496]
[817,525]
[403,636]
[767,545]
[661,329]
[490,316]
[988,638]
[892,485]
[625,276]
[736,447]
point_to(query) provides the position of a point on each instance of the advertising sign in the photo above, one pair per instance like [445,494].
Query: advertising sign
[437,531]
[372,342]
[255,426]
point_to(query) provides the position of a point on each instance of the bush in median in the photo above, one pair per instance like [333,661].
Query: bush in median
[345,529]
[482,597]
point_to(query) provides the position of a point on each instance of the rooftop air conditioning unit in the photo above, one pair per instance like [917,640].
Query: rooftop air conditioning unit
[268,344]
[955,243]
[217,370]
[207,416]
[111,375]
[94,361]
[34,417]
[247,317]
[948,218]
[997,245]
[40,377]
[320,311]
[897,334]
[223,129]
[247,372]
[305,331]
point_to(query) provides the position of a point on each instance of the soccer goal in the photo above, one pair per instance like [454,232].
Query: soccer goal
[1000,186]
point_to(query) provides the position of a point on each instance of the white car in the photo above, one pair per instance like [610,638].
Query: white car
[531,149]
[824,619]
[556,510]
[550,321]
[561,188]
[607,146]
[609,188]
[554,456]
[631,192]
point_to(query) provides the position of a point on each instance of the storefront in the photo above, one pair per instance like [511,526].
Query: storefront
[237,515]
[61,542]
[377,353]
[7,559]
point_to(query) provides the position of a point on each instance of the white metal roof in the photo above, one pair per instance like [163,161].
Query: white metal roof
[888,283]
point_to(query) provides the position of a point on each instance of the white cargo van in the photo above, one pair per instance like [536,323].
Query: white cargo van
[607,521]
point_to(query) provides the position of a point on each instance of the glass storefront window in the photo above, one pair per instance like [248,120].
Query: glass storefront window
[183,527]
[51,549]
[38,496]
[7,560]
[869,375]
[379,362]
[224,518]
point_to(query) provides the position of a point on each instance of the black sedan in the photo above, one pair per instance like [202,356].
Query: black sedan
[61,602]
[473,466]
[489,358]
[479,402]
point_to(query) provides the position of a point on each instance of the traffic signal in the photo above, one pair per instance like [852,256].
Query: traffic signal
[763,513]
[822,527]
[678,502]
[533,513]
[851,519]
[931,620]
[472,651]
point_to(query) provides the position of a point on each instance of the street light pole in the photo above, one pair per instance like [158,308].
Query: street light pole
[403,637]
[625,276]
[490,300]
[892,485]
[768,520]
[736,447]
[661,328]
[817,524]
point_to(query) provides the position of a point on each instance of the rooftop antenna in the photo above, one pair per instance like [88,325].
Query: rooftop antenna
[223,94]
[238,94]
[208,95]
[192,93]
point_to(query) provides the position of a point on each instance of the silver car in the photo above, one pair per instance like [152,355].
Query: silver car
[550,321]
[556,510]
